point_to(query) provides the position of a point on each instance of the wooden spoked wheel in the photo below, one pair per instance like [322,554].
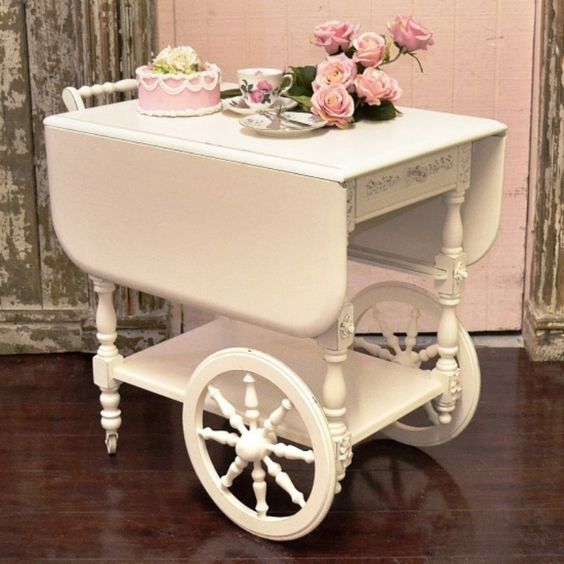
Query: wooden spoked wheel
[421,428]
[255,393]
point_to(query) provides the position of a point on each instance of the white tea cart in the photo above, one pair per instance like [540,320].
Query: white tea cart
[277,390]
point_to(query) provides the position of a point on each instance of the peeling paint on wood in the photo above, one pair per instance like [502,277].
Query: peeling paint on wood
[544,324]
[39,338]
[46,304]
[54,43]
[43,336]
[19,249]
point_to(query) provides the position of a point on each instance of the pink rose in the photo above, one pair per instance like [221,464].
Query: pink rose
[370,49]
[334,35]
[407,33]
[335,70]
[333,104]
[264,85]
[375,85]
[257,95]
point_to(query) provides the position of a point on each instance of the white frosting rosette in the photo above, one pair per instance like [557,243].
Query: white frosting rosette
[174,60]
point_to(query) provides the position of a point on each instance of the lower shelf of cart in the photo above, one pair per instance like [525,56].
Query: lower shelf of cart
[379,392]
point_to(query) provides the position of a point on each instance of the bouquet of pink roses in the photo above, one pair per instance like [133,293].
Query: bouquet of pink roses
[350,84]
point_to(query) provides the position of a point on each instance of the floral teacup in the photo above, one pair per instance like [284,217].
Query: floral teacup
[261,87]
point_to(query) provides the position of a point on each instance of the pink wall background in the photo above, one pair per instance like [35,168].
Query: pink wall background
[481,64]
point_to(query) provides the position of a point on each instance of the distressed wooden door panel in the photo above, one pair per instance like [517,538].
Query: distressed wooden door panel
[544,313]
[19,246]
[55,55]
[46,304]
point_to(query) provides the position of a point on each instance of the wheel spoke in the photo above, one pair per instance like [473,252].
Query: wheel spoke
[284,481]
[236,467]
[221,437]
[251,401]
[259,487]
[428,352]
[278,415]
[228,410]
[389,335]
[291,452]
[374,349]
[412,330]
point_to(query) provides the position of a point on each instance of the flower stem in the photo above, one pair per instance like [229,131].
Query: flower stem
[418,61]
[401,51]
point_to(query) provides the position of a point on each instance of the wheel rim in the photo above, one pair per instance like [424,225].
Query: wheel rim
[425,304]
[255,445]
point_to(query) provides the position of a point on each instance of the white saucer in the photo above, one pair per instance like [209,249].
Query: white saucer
[262,123]
[238,106]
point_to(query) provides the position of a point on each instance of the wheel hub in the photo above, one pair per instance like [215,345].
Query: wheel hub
[251,447]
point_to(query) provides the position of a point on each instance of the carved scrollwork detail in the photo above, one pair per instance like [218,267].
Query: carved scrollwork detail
[420,173]
[417,173]
[347,326]
[460,273]
[344,450]
[350,187]
[455,387]
[464,162]
[374,187]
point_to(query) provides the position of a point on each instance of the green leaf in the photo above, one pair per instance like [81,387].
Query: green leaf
[303,77]
[231,93]
[304,102]
[385,111]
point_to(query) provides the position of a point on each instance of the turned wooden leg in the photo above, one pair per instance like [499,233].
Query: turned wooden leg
[106,358]
[452,259]
[336,343]
[110,416]
[447,366]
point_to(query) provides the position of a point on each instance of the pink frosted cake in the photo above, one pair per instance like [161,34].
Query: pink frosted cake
[178,83]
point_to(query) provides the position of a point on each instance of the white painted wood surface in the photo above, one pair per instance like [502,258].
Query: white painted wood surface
[382,391]
[286,207]
[213,235]
[332,154]
[73,98]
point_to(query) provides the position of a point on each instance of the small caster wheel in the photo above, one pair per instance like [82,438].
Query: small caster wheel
[424,427]
[111,443]
[256,393]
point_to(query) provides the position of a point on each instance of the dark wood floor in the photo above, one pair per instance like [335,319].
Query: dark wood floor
[495,494]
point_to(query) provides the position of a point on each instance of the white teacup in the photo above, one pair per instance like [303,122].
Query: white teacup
[261,87]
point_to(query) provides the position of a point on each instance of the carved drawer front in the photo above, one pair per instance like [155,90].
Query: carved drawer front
[409,182]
